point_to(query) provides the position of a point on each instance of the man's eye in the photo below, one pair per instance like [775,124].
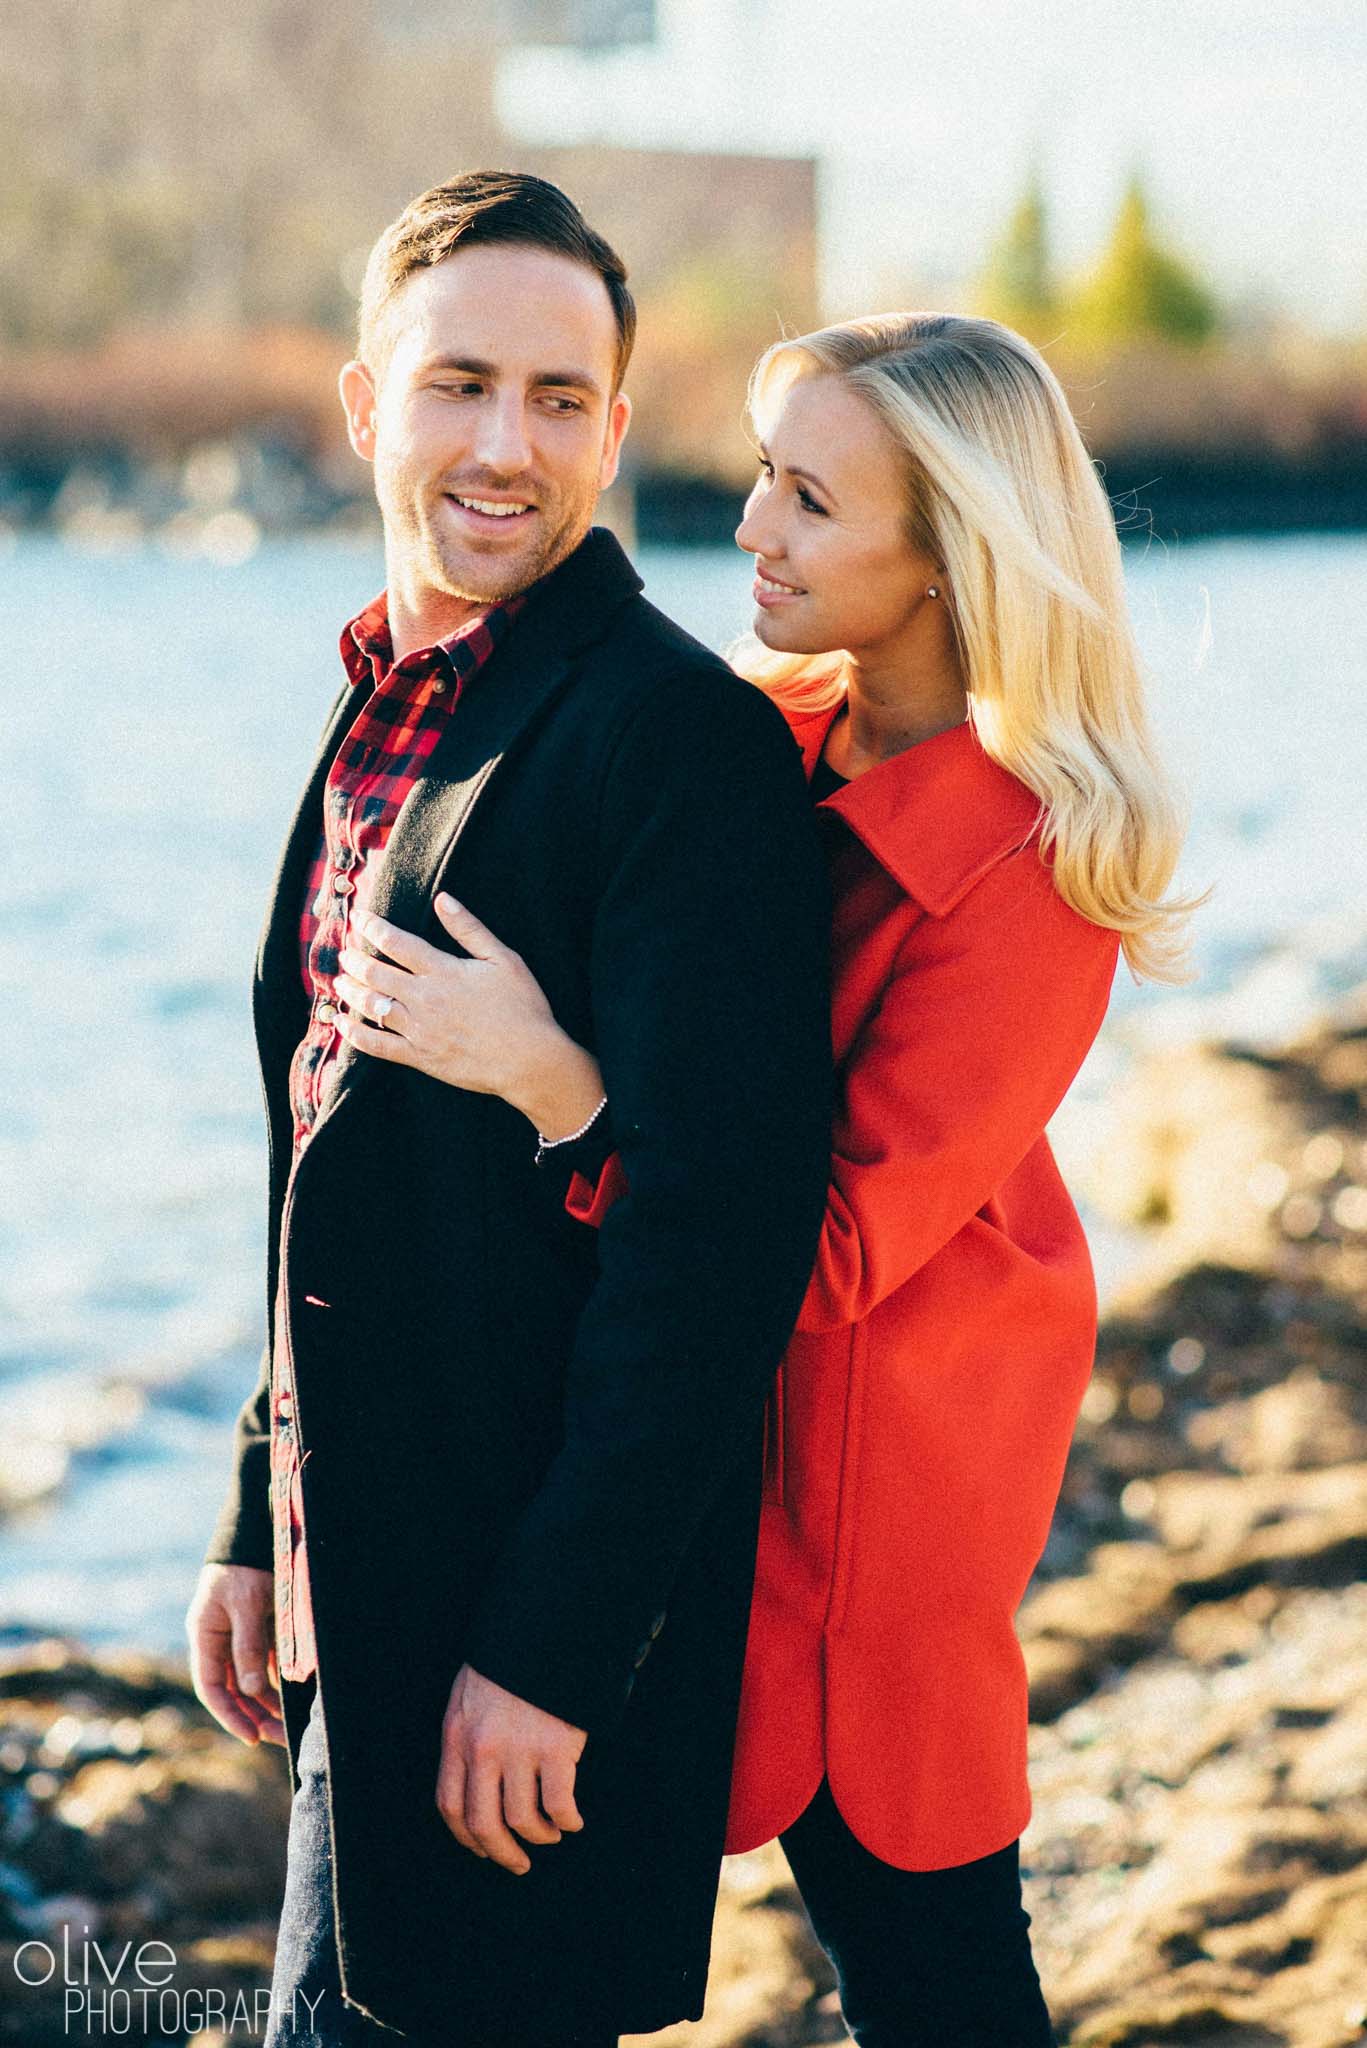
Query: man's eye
[467,388]
[562,404]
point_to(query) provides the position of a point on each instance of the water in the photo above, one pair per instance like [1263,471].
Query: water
[157,715]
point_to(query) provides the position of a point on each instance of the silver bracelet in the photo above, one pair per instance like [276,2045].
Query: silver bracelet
[545,1145]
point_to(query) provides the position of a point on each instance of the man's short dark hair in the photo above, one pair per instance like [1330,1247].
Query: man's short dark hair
[487,207]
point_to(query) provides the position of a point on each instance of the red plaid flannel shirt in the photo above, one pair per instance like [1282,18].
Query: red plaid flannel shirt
[372,772]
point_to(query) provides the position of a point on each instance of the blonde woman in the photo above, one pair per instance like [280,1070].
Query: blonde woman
[940,612]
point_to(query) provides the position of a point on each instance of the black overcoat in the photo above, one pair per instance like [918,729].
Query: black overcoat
[528,1445]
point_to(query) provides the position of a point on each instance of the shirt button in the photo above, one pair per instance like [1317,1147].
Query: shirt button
[343,884]
[326,1012]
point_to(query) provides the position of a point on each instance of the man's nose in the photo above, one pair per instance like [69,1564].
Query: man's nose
[501,441]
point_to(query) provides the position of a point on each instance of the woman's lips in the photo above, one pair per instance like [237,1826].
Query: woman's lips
[768,592]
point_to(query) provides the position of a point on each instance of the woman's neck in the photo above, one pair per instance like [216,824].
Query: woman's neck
[886,711]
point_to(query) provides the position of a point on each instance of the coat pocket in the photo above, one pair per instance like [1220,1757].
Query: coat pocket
[773,1441]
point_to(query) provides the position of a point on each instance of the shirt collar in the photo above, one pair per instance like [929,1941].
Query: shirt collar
[936,816]
[367,647]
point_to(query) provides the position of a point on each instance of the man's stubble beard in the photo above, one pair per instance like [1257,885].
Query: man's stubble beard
[462,577]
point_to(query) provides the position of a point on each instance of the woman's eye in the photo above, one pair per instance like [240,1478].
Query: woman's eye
[808,502]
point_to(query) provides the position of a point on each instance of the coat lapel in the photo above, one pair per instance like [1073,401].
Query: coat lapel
[565,613]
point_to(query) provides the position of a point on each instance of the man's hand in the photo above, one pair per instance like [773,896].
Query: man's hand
[231,1627]
[497,1753]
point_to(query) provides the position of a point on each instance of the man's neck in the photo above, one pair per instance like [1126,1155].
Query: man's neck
[421,619]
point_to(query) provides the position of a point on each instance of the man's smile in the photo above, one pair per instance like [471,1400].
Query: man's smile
[490,512]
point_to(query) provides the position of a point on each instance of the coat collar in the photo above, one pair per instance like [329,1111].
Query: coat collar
[936,816]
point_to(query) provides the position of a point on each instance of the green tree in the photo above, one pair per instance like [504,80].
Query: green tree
[1140,291]
[1017,285]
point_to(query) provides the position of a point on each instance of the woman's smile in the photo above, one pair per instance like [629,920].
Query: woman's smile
[769,590]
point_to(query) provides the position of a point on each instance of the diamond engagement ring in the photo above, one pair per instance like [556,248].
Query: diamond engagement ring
[383,1006]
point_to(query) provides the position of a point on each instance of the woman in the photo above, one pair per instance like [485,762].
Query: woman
[941,615]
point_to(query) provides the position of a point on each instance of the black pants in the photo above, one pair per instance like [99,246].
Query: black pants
[924,1959]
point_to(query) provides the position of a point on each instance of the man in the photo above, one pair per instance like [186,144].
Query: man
[496,1492]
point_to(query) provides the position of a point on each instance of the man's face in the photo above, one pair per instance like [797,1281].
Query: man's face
[493,428]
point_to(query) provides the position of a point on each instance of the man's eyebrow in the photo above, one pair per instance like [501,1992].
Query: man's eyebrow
[805,475]
[475,366]
[572,380]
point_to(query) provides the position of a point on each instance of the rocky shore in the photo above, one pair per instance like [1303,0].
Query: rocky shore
[1196,1636]
[127,1818]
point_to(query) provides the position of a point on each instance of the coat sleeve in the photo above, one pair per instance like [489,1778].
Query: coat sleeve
[970,1050]
[242,1533]
[709,983]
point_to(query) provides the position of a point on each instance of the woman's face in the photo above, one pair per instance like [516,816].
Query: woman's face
[826,523]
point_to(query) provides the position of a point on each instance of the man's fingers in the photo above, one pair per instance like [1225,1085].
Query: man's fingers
[230,1714]
[251,1650]
[484,1816]
[248,1674]
[270,1727]
[451,1797]
[231,1631]
[210,1661]
[557,1794]
[520,1808]
[465,927]
[212,1687]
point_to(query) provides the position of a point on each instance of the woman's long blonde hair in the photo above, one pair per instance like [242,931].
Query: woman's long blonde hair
[1003,495]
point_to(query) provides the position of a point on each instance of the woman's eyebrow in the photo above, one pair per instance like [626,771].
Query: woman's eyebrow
[804,475]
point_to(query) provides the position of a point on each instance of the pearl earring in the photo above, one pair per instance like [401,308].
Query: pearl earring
[933,590]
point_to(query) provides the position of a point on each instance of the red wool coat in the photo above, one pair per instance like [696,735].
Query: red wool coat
[922,1416]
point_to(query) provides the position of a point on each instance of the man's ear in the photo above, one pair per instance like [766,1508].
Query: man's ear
[619,419]
[357,389]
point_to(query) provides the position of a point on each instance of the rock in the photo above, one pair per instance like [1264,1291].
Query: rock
[128,1818]
[1300,1422]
